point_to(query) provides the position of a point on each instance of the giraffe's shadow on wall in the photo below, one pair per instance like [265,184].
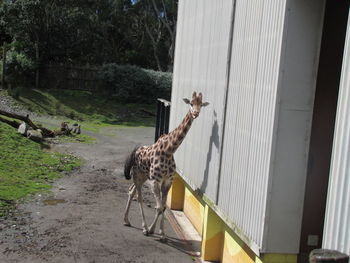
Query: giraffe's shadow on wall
[214,141]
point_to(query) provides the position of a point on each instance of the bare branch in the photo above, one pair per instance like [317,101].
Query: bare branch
[155,45]
[165,22]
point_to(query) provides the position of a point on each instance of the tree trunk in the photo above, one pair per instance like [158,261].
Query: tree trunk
[155,47]
[164,19]
[37,65]
[3,65]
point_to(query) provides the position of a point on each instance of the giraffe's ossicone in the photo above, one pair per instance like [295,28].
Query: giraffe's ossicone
[156,163]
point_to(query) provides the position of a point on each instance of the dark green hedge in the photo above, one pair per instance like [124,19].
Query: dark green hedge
[133,84]
[20,69]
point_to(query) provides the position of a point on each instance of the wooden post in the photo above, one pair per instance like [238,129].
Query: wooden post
[327,256]
[3,65]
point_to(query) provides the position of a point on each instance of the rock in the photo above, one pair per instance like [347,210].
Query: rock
[23,128]
[35,135]
[64,126]
[76,128]
[65,130]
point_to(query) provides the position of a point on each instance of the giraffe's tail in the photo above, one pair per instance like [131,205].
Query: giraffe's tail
[129,162]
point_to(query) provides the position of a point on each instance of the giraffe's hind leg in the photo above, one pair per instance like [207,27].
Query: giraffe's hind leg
[139,199]
[132,191]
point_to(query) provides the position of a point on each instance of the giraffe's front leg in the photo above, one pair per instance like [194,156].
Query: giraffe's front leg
[165,187]
[156,193]
[161,227]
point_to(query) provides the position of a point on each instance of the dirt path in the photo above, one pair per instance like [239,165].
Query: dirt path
[81,219]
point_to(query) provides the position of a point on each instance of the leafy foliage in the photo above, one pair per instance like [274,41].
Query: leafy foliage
[134,84]
[92,31]
[19,68]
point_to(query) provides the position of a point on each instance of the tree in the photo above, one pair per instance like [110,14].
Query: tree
[166,11]
[92,31]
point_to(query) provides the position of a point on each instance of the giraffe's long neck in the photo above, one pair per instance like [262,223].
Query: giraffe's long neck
[176,137]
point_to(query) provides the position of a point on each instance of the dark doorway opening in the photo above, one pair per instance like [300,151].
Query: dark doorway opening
[325,106]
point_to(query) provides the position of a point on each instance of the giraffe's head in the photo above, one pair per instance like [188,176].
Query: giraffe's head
[196,104]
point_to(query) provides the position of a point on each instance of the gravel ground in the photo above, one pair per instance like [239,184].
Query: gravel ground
[81,220]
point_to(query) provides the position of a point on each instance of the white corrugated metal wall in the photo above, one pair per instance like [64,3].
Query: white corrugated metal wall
[297,85]
[337,223]
[257,42]
[202,46]
[272,79]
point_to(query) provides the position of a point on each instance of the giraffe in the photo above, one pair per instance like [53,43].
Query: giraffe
[156,163]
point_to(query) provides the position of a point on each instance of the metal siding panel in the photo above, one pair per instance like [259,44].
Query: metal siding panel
[201,65]
[225,201]
[256,22]
[337,222]
[252,104]
[248,135]
[301,45]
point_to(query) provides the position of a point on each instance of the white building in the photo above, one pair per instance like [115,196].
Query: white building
[255,166]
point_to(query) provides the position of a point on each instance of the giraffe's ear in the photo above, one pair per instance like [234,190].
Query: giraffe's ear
[205,104]
[187,101]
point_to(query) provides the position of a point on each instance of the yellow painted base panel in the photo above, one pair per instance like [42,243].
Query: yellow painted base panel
[236,251]
[212,248]
[277,258]
[176,194]
[212,238]
[194,210]
[219,242]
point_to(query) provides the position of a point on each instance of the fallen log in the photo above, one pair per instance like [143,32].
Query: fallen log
[46,132]
[13,123]
[60,132]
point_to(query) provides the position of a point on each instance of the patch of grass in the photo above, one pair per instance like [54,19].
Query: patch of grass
[79,138]
[25,168]
[90,107]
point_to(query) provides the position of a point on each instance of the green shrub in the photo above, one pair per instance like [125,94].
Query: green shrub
[58,107]
[133,84]
[19,69]
[72,115]
[14,92]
